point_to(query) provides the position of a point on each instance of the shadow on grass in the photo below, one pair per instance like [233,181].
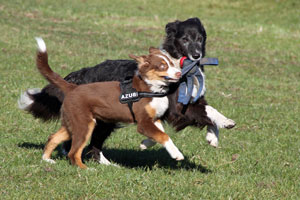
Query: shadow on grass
[131,158]
[29,145]
[150,158]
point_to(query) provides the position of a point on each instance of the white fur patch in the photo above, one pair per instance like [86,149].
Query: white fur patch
[159,126]
[212,136]
[160,105]
[218,119]
[25,101]
[41,44]
[48,160]
[156,85]
[173,150]
[104,161]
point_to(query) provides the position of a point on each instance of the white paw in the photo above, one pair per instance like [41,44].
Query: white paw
[104,161]
[147,143]
[173,150]
[226,123]
[218,119]
[49,160]
[212,139]
[179,156]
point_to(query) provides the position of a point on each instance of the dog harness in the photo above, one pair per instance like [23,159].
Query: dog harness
[129,94]
[190,73]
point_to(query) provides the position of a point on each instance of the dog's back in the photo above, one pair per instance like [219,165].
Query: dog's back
[84,104]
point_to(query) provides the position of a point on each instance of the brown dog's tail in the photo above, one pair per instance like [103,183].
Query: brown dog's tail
[46,71]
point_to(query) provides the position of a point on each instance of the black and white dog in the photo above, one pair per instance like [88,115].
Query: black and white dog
[183,38]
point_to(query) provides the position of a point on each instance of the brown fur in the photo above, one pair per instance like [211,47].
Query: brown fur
[85,103]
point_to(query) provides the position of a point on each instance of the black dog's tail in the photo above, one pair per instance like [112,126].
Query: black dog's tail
[46,103]
[46,71]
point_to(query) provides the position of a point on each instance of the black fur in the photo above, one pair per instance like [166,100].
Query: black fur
[185,38]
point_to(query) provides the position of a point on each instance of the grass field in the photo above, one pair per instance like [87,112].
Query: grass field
[257,84]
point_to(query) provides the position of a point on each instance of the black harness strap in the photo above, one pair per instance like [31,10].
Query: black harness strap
[130,95]
[131,111]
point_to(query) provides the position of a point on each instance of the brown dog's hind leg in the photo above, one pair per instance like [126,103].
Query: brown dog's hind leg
[79,139]
[55,139]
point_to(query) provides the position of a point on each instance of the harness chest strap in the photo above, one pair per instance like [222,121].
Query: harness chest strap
[129,95]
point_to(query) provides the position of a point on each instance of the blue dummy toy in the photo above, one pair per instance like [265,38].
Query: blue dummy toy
[191,72]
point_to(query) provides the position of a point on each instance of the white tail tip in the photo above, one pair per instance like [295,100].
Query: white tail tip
[41,44]
[25,101]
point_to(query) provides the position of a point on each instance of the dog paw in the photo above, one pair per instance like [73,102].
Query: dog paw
[226,123]
[179,157]
[176,154]
[173,150]
[147,143]
[212,139]
[102,160]
[49,160]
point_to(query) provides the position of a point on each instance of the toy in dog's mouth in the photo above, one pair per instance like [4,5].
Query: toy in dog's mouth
[173,77]
[169,79]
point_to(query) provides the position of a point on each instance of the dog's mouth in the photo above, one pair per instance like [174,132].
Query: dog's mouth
[195,57]
[170,79]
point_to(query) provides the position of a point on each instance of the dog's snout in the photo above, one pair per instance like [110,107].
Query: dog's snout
[178,74]
[196,55]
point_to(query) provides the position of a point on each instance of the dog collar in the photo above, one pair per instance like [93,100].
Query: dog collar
[182,60]
[203,61]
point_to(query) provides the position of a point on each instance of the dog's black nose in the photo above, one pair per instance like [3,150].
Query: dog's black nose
[196,55]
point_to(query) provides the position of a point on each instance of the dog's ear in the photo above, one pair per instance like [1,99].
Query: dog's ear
[200,25]
[171,28]
[139,59]
[153,50]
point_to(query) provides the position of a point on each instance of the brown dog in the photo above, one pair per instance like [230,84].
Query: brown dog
[85,103]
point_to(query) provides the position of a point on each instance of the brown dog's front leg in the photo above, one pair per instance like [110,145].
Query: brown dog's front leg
[150,130]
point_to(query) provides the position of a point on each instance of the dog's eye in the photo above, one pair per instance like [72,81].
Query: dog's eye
[162,67]
[200,39]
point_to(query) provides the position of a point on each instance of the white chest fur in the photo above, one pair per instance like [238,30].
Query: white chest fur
[160,105]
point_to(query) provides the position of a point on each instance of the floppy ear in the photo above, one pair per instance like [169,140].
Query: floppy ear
[139,59]
[200,26]
[153,50]
[171,28]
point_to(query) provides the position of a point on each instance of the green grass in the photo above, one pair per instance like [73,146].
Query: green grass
[256,84]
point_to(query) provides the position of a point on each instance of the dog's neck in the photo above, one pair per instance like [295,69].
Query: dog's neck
[143,84]
[157,86]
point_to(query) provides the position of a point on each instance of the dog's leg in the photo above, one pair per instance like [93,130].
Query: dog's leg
[147,143]
[150,130]
[212,136]
[101,132]
[55,139]
[218,119]
[79,140]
